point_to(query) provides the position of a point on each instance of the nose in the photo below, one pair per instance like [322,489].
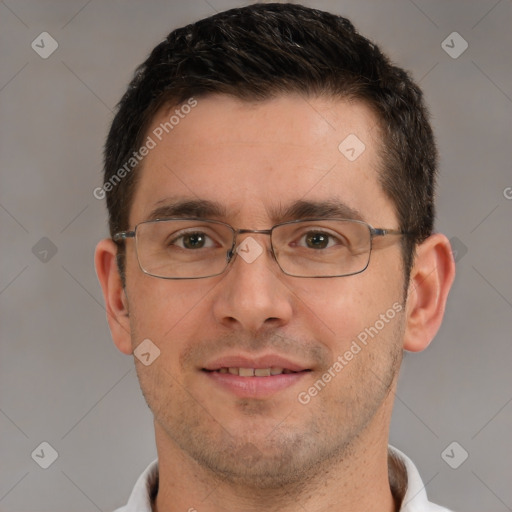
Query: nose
[252,295]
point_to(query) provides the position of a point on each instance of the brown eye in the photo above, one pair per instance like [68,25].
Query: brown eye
[194,240]
[317,240]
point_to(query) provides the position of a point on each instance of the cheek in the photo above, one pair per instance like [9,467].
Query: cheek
[166,311]
[345,306]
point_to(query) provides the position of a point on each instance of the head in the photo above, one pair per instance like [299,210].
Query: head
[262,97]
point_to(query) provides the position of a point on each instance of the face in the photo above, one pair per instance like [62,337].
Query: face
[341,337]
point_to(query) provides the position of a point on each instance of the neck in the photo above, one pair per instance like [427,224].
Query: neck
[362,478]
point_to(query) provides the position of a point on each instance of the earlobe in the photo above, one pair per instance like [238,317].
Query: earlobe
[116,301]
[431,279]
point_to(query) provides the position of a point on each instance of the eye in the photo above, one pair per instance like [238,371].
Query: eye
[193,240]
[319,240]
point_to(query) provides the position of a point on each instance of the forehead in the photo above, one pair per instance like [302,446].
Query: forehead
[254,158]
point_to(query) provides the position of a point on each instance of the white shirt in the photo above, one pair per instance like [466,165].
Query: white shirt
[415,499]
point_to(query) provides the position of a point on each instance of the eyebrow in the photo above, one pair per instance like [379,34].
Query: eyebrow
[327,209]
[200,208]
[301,209]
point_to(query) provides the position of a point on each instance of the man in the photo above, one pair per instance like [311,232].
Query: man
[269,179]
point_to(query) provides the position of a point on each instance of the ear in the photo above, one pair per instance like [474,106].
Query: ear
[116,302]
[431,279]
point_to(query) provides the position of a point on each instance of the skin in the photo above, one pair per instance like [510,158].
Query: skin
[219,452]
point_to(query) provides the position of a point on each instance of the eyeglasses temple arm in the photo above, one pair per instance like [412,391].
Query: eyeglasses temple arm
[384,232]
[123,235]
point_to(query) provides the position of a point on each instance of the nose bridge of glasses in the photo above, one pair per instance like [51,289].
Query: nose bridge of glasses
[249,232]
[256,231]
[237,242]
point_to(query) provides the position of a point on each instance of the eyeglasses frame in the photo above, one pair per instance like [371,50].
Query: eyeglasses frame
[231,254]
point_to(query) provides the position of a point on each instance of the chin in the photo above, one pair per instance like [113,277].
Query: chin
[264,464]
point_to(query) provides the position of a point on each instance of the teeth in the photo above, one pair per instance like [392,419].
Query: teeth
[255,372]
[246,372]
[262,372]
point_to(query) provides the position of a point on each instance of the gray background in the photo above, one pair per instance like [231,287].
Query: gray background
[61,378]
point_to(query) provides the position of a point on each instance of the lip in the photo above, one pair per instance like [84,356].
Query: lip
[254,387]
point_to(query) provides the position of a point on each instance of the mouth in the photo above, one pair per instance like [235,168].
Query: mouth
[254,372]
[254,377]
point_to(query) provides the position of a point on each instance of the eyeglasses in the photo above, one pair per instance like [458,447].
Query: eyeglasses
[197,248]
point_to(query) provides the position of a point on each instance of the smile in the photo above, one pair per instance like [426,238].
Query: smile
[255,383]
[253,372]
